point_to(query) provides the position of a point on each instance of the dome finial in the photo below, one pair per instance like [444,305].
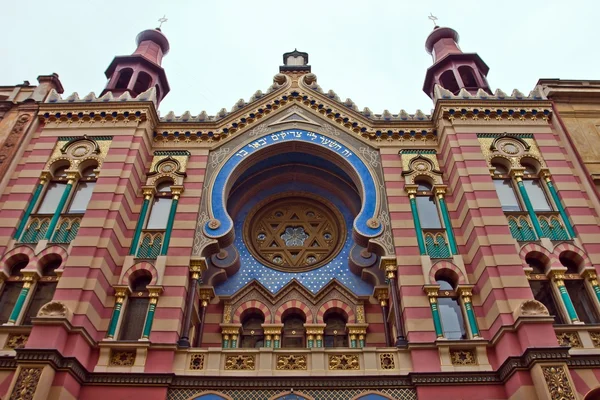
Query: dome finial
[433,18]
[162,21]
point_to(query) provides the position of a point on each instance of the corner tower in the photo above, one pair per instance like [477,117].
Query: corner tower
[141,70]
[452,69]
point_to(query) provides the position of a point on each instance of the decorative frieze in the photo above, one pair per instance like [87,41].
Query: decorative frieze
[569,339]
[595,336]
[291,362]
[16,341]
[344,362]
[558,383]
[121,358]
[386,361]
[463,357]
[240,362]
[197,362]
[26,384]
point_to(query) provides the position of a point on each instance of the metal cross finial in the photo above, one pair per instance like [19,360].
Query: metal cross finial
[433,18]
[162,20]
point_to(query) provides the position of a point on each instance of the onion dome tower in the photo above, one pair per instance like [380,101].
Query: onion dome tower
[452,69]
[141,70]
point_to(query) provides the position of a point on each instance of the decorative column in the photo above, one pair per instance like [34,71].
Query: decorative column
[432,293]
[412,191]
[206,295]
[440,191]
[44,177]
[154,293]
[466,293]
[272,334]
[314,335]
[230,333]
[28,278]
[558,278]
[358,333]
[72,177]
[590,275]
[176,192]
[196,269]
[120,294]
[391,270]
[518,176]
[561,209]
[148,192]
[382,295]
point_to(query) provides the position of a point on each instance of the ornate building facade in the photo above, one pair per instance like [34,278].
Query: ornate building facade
[296,247]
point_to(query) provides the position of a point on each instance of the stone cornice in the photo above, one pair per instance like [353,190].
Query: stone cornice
[496,111]
[97,114]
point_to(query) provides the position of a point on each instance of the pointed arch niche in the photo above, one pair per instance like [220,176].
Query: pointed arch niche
[308,169]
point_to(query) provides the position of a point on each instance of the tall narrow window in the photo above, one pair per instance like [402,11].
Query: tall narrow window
[136,309]
[294,333]
[537,195]
[84,191]
[579,294]
[44,291]
[335,330]
[453,322]
[541,287]
[504,189]
[427,207]
[54,192]
[159,214]
[11,290]
[252,331]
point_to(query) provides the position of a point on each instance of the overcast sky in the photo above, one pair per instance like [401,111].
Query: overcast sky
[370,51]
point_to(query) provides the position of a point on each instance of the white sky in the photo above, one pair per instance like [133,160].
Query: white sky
[370,51]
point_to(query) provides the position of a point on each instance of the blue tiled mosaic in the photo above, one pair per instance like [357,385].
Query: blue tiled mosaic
[274,280]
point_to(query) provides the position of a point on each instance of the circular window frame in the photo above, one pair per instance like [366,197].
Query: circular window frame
[254,225]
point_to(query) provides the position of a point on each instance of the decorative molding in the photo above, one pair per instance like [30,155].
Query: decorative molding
[595,336]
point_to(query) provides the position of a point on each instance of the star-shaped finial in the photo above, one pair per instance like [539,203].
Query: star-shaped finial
[162,20]
[433,18]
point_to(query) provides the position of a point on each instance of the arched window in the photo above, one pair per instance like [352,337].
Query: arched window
[124,78]
[578,291]
[54,192]
[468,76]
[534,188]
[136,309]
[157,92]
[83,193]
[159,214]
[541,288]
[142,83]
[453,322]
[294,333]
[505,189]
[335,330]
[427,207]
[44,290]
[448,81]
[11,290]
[252,330]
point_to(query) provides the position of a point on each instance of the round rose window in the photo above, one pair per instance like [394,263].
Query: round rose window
[294,232]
